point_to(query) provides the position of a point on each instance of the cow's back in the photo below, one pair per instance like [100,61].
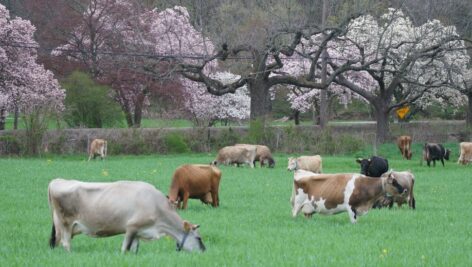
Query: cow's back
[328,187]
[310,163]
[196,178]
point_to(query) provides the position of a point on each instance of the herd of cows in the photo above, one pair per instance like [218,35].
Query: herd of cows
[140,211]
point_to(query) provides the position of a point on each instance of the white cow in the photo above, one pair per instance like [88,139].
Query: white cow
[136,209]
[308,163]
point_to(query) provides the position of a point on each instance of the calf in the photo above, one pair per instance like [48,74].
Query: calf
[404,144]
[433,152]
[98,147]
[307,163]
[407,180]
[195,181]
[335,193]
[229,155]
[136,209]
[466,153]
[263,155]
[374,166]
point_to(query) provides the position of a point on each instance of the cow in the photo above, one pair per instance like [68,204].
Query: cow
[407,180]
[263,155]
[335,193]
[195,181]
[307,163]
[136,209]
[374,166]
[404,144]
[98,147]
[433,152]
[466,153]
[230,155]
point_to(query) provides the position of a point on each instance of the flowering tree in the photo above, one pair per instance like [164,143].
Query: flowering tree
[206,108]
[406,64]
[132,49]
[25,86]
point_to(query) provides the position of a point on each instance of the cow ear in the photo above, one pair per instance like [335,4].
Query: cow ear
[358,160]
[390,179]
[187,226]
[195,226]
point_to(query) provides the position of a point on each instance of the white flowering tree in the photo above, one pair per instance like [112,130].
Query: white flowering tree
[206,108]
[406,64]
[26,87]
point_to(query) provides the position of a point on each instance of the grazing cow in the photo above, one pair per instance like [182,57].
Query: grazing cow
[195,181]
[98,147]
[263,155]
[307,163]
[136,209]
[404,144]
[466,153]
[374,166]
[335,193]
[433,152]
[229,155]
[407,180]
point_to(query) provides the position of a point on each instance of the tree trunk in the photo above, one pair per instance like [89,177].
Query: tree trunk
[468,118]
[3,116]
[260,99]
[15,118]
[381,116]
[138,110]
[296,117]
[324,57]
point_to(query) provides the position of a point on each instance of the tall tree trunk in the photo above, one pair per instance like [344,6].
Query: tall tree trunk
[16,114]
[324,93]
[260,99]
[3,117]
[296,117]
[138,110]
[468,118]
[381,116]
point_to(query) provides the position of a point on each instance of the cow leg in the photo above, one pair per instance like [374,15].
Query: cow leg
[186,196]
[352,214]
[214,198]
[66,237]
[135,245]
[130,235]
[442,161]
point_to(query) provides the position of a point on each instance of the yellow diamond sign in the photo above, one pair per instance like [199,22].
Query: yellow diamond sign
[401,112]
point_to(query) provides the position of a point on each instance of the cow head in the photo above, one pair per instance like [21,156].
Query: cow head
[392,187]
[408,156]
[446,154]
[271,163]
[364,165]
[292,164]
[191,240]
[214,163]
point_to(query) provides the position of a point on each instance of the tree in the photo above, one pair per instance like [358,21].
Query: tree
[406,63]
[206,108]
[25,86]
[89,104]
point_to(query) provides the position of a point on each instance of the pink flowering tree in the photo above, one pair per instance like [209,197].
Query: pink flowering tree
[206,108]
[133,49]
[26,88]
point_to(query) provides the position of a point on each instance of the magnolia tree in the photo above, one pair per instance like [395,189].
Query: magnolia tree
[132,48]
[26,88]
[206,108]
[405,64]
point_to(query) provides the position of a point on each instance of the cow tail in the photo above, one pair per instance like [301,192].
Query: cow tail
[412,197]
[52,240]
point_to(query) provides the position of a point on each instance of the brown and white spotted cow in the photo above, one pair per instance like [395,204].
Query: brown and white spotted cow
[136,209]
[466,153]
[404,144]
[98,147]
[336,193]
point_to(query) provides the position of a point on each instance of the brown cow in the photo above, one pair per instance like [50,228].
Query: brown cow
[307,163]
[407,180]
[404,144]
[263,154]
[196,181]
[335,193]
[98,147]
[466,153]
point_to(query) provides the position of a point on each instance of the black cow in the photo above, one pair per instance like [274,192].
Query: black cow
[433,152]
[373,167]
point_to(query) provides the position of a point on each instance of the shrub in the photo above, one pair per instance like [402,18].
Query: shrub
[89,104]
[175,143]
[9,145]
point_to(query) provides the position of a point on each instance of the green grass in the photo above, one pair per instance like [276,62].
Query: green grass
[253,226]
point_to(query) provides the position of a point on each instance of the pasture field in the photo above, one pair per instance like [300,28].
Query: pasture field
[253,226]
